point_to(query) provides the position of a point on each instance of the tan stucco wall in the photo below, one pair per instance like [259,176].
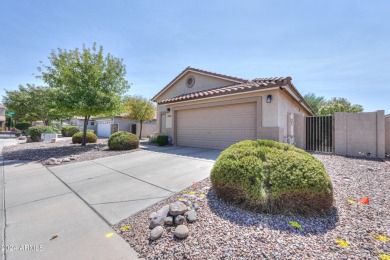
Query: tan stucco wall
[148,128]
[202,82]
[286,106]
[357,133]
[387,134]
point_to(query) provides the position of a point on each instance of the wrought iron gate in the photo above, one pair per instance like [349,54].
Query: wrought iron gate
[319,133]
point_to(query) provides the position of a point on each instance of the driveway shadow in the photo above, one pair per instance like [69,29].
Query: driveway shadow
[197,153]
[310,225]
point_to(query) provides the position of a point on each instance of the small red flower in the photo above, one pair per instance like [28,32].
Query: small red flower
[364,200]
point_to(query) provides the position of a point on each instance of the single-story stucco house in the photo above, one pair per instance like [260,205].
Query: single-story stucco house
[209,110]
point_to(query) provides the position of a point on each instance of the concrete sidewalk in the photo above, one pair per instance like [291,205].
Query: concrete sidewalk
[46,220]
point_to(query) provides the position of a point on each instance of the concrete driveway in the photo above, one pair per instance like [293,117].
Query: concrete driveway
[119,186]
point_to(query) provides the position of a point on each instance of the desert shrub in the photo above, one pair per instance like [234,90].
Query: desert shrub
[272,177]
[36,131]
[162,140]
[77,138]
[123,141]
[68,131]
[22,126]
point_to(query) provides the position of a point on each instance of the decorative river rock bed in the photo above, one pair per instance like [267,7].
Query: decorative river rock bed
[175,214]
[358,228]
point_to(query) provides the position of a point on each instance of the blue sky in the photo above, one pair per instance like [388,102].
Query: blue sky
[331,48]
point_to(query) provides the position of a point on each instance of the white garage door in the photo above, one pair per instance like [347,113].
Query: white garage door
[216,127]
[104,129]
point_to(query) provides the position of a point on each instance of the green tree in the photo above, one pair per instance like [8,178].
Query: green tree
[87,82]
[32,103]
[139,109]
[338,105]
[314,101]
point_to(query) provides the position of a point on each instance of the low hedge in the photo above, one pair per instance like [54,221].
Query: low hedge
[35,132]
[123,141]
[272,177]
[68,131]
[162,140]
[77,138]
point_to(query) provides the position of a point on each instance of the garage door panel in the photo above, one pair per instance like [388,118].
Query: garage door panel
[249,122]
[249,110]
[216,127]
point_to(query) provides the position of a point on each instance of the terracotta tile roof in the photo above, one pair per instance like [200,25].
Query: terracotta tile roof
[255,84]
[235,79]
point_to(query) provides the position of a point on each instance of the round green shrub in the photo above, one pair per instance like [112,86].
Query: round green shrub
[68,131]
[22,126]
[77,138]
[272,177]
[35,132]
[162,140]
[123,141]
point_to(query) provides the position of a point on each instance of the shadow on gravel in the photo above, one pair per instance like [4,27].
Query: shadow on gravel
[241,217]
[44,153]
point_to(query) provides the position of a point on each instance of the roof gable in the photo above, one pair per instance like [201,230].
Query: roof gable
[257,84]
[222,80]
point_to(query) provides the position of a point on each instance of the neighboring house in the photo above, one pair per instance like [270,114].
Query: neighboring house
[105,126]
[209,110]
[2,116]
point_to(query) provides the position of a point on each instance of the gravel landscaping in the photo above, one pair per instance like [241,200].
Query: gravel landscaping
[353,231]
[61,150]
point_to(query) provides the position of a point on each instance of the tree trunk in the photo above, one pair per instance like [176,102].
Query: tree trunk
[86,119]
[140,130]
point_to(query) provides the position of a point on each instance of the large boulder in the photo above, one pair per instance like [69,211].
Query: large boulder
[156,233]
[181,231]
[159,217]
[177,208]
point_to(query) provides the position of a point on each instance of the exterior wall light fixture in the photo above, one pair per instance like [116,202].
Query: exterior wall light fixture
[269,98]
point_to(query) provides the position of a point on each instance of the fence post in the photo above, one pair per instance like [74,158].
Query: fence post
[380,133]
[340,133]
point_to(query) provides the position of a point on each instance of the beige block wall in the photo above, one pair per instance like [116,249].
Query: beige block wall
[357,133]
[387,134]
